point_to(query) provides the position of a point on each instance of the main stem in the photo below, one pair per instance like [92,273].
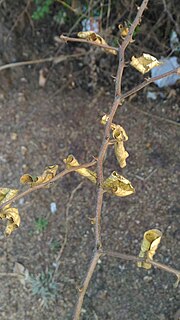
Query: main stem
[101,156]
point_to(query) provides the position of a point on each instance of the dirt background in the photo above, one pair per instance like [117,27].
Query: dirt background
[40,127]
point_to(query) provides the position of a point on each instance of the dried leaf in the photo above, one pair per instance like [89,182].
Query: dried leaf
[71,161]
[144,63]
[7,194]
[12,215]
[21,272]
[92,36]
[149,246]
[123,30]
[120,136]
[43,77]
[104,120]
[27,178]
[118,185]
[47,175]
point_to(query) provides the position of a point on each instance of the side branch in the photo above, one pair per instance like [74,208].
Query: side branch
[66,39]
[159,265]
[44,184]
[148,81]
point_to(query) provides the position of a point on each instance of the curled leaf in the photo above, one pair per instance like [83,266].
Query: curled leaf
[12,215]
[71,161]
[7,194]
[47,175]
[149,246]
[92,36]
[120,136]
[144,63]
[118,185]
[27,178]
[123,30]
[104,119]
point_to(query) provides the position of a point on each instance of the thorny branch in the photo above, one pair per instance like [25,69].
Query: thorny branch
[118,100]
[101,156]
[66,39]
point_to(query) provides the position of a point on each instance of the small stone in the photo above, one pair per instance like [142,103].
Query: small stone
[53,207]
[23,150]
[147,278]
[13,136]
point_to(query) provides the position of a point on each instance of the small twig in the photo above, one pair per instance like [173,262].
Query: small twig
[42,185]
[159,265]
[25,10]
[171,17]
[157,117]
[148,81]
[67,6]
[66,226]
[66,39]
[54,59]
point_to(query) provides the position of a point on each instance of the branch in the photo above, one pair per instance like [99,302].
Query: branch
[53,59]
[42,185]
[159,265]
[66,39]
[148,81]
[85,285]
[101,157]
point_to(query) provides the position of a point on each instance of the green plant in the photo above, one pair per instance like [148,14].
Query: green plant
[44,286]
[41,224]
[42,9]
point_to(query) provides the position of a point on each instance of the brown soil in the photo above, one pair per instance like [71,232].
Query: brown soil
[41,126]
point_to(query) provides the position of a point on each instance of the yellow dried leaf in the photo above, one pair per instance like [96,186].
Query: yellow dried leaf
[105,118]
[47,175]
[149,246]
[12,215]
[123,30]
[121,153]
[27,178]
[7,194]
[71,161]
[118,185]
[144,63]
[92,36]
[120,136]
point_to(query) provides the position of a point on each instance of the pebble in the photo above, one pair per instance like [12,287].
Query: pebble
[147,278]
[53,207]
